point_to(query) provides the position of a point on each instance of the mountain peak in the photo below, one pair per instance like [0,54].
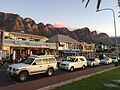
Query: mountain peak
[14,23]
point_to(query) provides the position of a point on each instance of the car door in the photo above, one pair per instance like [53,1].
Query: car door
[45,64]
[81,62]
[97,62]
[76,63]
[36,66]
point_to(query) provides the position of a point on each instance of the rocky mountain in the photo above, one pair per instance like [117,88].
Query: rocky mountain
[14,23]
[84,34]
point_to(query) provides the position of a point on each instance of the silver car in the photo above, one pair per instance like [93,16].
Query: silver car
[93,61]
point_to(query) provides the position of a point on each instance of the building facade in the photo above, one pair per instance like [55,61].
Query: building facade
[21,45]
[70,46]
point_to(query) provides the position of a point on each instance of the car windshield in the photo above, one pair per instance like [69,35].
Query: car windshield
[72,59]
[106,59]
[113,57]
[90,59]
[29,61]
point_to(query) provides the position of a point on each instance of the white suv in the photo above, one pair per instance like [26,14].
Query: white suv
[74,62]
[33,65]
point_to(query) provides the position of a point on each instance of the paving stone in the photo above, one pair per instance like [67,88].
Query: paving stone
[110,85]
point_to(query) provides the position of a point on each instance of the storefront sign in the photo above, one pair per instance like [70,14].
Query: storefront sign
[17,42]
[35,44]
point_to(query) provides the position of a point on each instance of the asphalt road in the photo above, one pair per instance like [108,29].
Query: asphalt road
[39,81]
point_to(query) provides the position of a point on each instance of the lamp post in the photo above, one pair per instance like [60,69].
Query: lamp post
[116,42]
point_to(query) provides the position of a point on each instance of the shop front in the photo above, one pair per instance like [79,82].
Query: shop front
[17,50]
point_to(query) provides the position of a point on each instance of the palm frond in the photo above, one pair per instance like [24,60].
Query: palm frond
[119,3]
[98,4]
[87,3]
[83,1]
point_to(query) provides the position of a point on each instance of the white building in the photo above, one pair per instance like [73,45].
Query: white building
[68,45]
[23,44]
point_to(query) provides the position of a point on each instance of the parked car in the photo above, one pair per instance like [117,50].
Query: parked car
[33,65]
[74,62]
[115,59]
[106,60]
[93,61]
[59,60]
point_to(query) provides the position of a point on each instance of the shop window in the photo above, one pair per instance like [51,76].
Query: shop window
[81,59]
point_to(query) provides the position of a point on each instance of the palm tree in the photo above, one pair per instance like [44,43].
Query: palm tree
[98,3]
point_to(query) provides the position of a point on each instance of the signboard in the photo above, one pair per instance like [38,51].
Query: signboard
[17,42]
[35,44]
[30,43]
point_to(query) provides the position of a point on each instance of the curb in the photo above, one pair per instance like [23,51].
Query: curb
[73,80]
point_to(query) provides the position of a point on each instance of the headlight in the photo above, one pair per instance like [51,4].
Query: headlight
[14,69]
[67,65]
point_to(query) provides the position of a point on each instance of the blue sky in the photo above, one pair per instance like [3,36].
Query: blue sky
[70,13]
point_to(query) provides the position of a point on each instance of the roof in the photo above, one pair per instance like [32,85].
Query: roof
[29,35]
[63,38]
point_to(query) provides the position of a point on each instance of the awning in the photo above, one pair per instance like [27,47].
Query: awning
[71,51]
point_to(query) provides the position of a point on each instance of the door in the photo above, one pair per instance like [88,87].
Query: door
[37,67]
[81,62]
[76,63]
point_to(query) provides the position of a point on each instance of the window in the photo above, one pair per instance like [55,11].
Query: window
[38,61]
[51,60]
[76,60]
[29,61]
[45,61]
[81,59]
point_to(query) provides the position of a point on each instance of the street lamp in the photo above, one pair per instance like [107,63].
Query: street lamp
[116,42]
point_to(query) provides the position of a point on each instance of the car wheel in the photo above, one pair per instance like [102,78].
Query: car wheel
[50,72]
[23,76]
[72,69]
[93,65]
[83,67]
